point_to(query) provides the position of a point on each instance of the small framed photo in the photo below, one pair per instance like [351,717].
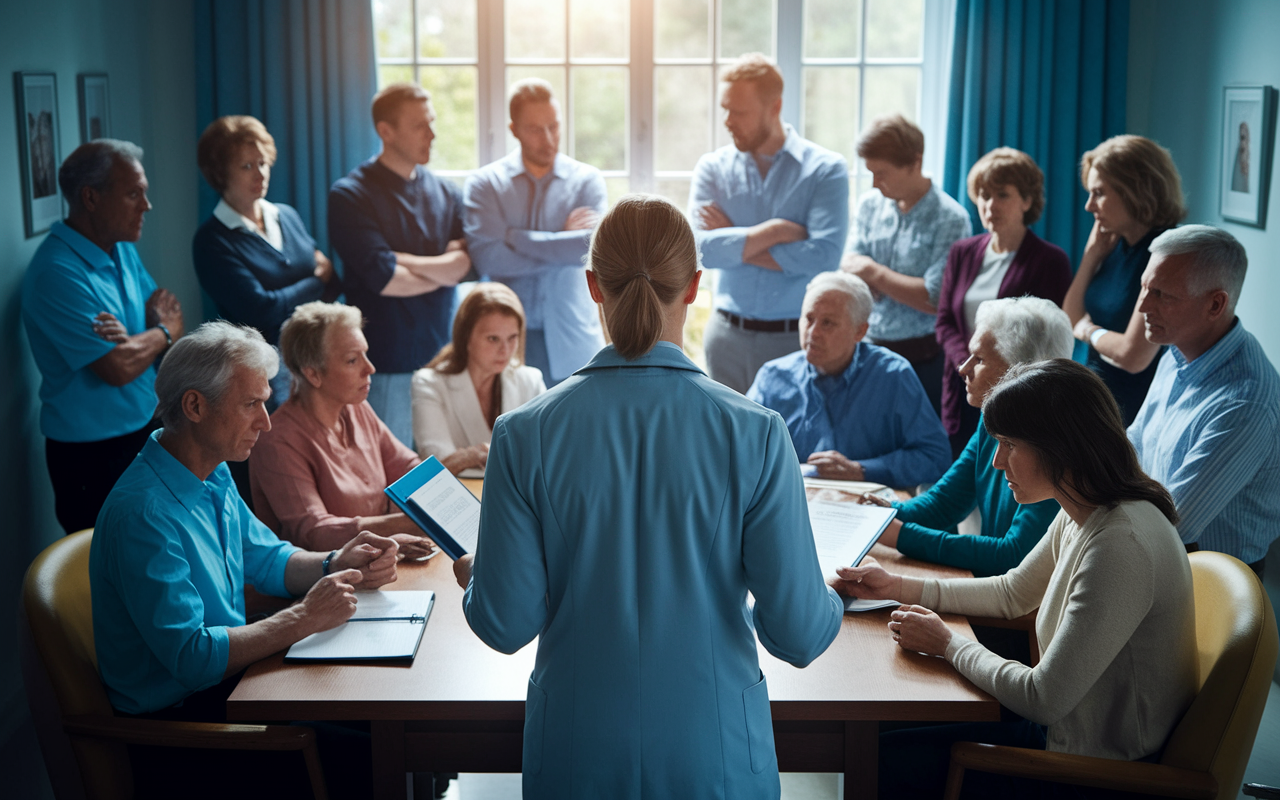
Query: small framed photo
[36,97]
[95,106]
[1248,142]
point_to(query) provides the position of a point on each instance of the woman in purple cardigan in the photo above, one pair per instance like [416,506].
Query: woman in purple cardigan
[1007,261]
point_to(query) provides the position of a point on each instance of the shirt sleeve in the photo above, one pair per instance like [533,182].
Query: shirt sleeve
[949,230]
[487,235]
[285,478]
[950,325]
[721,248]
[991,555]
[949,501]
[265,555]
[430,427]
[368,261]
[62,308]
[562,248]
[925,451]
[859,243]
[228,278]
[827,224]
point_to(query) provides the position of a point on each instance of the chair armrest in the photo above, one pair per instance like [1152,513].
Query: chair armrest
[1106,773]
[1026,622]
[204,735]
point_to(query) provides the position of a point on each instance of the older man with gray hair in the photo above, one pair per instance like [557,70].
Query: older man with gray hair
[855,411]
[1209,429]
[97,324]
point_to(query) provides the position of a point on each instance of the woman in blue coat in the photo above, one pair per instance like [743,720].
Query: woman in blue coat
[627,514]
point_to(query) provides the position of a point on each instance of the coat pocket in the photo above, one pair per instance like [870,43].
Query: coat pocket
[755,702]
[535,716]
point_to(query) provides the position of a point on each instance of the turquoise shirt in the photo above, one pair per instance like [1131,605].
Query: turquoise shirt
[69,282]
[1009,530]
[170,557]
[627,514]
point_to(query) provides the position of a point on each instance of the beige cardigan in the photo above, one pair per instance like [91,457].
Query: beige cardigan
[1118,664]
[446,411]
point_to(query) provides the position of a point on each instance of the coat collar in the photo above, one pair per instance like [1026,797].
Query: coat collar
[663,354]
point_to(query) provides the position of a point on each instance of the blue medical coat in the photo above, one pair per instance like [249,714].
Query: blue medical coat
[626,515]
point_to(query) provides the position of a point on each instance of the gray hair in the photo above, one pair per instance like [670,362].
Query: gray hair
[1026,329]
[90,165]
[853,287]
[303,334]
[205,360]
[1220,261]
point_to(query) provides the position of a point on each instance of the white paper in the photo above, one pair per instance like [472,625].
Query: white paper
[453,508]
[855,604]
[843,532]
[380,604]
[359,640]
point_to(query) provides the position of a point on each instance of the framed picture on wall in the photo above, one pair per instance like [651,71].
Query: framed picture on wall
[95,106]
[36,97]
[1248,142]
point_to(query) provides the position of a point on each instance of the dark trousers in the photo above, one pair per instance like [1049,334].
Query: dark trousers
[84,472]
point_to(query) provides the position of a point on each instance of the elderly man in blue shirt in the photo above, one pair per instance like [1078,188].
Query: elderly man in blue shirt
[771,211]
[96,323]
[857,410]
[1209,429]
[529,220]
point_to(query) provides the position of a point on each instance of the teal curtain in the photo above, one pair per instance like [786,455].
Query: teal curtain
[307,69]
[1047,77]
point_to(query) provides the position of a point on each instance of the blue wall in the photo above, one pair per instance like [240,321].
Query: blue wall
[146,48]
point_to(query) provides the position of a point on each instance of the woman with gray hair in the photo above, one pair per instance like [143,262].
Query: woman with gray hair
[1007,331]
[317,476]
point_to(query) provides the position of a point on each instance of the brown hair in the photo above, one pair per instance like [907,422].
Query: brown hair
[387,103]
[892,138]
[1143,175]
[485,298]
[1005,166]
[527,91]
[757,70]
[220,141]
[1068,417]
[643,255]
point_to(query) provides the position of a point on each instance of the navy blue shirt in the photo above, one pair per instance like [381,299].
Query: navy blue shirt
[251,282]
[1110,300]
[374,214]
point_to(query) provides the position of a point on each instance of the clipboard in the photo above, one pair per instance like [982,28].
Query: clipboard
[438,503]
[387,627]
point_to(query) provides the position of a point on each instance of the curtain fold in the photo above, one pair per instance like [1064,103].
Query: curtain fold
[307,69]
[1047,77]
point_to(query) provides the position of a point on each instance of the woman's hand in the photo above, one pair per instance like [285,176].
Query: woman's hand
[1099,246]
[462,570]
[920,630]
[414,548]
[324,267]
[868,582]
[869,499]
[476,455]
[1083,328]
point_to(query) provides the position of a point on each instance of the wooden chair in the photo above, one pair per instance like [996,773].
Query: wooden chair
[1206,754]
[79,733]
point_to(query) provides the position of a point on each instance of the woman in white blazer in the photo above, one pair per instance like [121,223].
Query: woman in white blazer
[475,378]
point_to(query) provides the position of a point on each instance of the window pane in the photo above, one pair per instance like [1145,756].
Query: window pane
[447,28]
[453,95]
[831,108]
[895,29]
[831,28]
[553,76]
[695,327]
[863,185]
[615,188]
[535,28]
[891,90]
[746,26]
[682,29]
[393,28]
[388,74]
[600,28]
[598,104]
[676,190]
[682,97]
[720,137]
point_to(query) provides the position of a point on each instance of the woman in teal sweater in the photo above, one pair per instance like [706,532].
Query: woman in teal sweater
[1007,331]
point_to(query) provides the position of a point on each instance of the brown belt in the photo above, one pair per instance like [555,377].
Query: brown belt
[918,350]
[760,325]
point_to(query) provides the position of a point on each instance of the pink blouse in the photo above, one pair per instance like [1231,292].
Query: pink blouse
[310,485]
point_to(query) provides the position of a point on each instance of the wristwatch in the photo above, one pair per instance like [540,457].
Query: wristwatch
[324,565]
[168,337]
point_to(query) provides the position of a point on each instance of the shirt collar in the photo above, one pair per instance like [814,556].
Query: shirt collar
[792,145]
[234,219]
[663,354]
[845,377]
[187,489]
[1215,356]
[95,256]
[514,164]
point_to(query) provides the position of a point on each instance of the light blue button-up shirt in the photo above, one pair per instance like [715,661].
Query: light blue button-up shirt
[1209,431]
[915,243]
[69,282]
[875,413]
[627,514]
[806,184]
[170,557]
[514,235]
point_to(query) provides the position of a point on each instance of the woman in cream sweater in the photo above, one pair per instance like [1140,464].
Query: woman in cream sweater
[1116,625]
[475,378]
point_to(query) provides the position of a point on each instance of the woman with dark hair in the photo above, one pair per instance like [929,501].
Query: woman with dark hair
[1116,624]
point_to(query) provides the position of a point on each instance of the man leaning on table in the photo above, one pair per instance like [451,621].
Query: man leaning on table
[173,549]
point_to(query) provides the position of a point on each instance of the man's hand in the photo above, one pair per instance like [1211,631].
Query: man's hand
[712,217]
[414,548]
[831,464]
[372,555]
[918,629]
[455,244]
[108,327]
[324,267]
[868,582]
[329,602]
[462,570]
[582,218]
[162,308]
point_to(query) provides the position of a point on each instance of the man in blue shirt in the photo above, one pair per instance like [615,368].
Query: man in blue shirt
[855,411]
[1209,429]
[771,212]
[529,221]
[398,230]
[96,323]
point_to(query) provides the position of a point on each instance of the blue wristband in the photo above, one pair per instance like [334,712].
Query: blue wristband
[324,565]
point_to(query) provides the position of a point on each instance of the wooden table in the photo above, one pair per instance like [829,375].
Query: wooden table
[460,706]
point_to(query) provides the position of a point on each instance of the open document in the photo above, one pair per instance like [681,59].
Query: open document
[387,626]
[438,502]
[843,533]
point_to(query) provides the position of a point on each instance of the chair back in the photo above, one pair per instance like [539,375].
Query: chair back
[59,611]
[1237,642]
